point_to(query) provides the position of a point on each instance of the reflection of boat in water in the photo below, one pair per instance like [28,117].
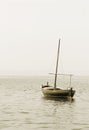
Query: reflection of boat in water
[54,91]
[59,99]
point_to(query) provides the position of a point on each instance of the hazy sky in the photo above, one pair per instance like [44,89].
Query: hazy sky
[29,34]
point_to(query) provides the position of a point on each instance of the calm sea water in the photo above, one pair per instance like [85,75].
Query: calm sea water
[23,106]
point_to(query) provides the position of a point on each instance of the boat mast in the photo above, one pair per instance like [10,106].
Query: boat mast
[57,65]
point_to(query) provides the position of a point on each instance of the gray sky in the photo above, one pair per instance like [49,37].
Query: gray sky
[29,34]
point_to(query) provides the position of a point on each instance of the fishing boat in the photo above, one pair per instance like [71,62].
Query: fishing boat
[54,91]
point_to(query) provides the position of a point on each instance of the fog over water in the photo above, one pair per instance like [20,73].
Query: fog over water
[29,34]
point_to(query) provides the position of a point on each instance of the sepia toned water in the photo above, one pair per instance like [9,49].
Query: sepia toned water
[23,106]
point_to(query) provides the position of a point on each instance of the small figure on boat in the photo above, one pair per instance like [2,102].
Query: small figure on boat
[47,83]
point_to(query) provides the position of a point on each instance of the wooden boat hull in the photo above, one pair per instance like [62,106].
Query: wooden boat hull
[58,93]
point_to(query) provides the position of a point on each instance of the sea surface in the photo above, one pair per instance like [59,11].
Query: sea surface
[23,106]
